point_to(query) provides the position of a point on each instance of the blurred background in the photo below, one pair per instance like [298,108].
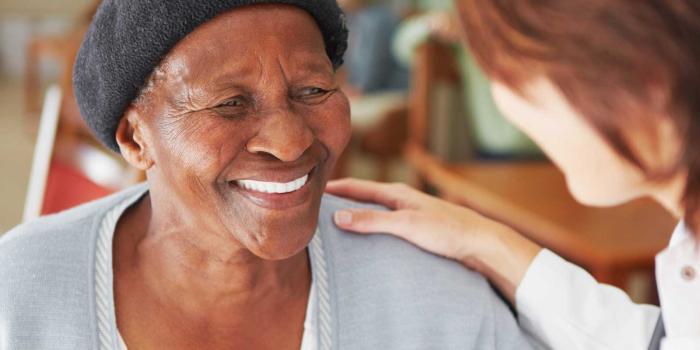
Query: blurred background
[422,114]
[25,25]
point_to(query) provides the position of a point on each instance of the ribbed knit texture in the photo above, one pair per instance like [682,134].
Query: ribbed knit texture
[104,277]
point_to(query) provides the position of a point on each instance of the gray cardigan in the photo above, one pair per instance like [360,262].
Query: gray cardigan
[382,293]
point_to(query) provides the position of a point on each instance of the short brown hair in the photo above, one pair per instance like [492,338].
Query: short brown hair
[610,59]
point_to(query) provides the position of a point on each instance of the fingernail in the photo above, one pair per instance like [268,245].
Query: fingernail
[343,217]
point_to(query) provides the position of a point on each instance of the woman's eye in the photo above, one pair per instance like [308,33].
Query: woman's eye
[234,102]
[313,94]
[313,91]
[233,107]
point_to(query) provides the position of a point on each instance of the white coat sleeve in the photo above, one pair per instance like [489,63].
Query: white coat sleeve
[563,307]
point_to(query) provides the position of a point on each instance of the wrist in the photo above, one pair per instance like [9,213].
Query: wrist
[504,259]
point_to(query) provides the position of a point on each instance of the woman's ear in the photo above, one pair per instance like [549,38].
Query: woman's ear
[131,142]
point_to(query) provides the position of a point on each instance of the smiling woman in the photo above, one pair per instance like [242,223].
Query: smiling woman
[234,113]
[271,116]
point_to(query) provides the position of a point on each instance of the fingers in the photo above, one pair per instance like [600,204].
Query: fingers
[425,231]
[362,190]
[394,196]
[373,221]
[407,224]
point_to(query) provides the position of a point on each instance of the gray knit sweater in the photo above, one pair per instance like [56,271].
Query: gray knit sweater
[378,292]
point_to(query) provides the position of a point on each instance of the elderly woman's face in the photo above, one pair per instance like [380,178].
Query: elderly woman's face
[244,123]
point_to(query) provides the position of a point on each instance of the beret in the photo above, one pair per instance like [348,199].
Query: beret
[127,39]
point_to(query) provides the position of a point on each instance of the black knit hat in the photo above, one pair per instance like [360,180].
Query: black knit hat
[127,39]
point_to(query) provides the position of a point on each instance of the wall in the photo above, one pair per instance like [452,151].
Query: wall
[22,19]
[43,8]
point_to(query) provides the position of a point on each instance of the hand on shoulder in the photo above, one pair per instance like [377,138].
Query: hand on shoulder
[443,228]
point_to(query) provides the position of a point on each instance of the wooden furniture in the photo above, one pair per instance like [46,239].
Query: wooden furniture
[434,67]
[532,196]
[379,125]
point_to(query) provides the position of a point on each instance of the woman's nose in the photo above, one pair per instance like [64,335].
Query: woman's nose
[283,134]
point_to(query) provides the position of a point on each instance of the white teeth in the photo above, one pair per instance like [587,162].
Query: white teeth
[273,187]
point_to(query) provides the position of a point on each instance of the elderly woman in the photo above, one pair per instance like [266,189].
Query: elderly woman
[233,111]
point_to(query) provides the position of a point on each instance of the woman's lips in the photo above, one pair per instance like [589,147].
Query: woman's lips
[274,195]
[273,187]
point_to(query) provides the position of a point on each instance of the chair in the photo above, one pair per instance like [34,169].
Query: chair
[68,169]
[48,124]
[379,124]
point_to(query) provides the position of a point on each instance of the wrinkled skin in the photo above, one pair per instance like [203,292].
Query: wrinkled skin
[256,105]
[250,94]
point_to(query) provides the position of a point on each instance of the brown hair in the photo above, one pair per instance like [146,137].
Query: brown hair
[621,63]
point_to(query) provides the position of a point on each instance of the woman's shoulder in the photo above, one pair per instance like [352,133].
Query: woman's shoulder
[385,253]
[47,274]
[388,280]
[45,269]
[53,250]
[61,229]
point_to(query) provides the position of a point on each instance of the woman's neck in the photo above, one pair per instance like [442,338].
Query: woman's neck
[670,194]
[200,270]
